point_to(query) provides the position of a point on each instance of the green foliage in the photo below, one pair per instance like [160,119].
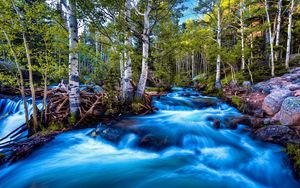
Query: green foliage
[55,126]
[72,119]
[238,103]
[293,151]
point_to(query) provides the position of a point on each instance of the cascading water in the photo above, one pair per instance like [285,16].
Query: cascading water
[12,115]
[197,155]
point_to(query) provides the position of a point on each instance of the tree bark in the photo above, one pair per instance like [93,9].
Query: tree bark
[218,67]
[146,43]
[193,64]
[34,114]
[242,33]
[289,39]
[278,29]
[74,93]
[270,38]
[128,88]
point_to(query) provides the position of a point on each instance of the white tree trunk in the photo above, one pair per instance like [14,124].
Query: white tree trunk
[146,43]
[278,28]
[270,38]
[218,67]
[242,34]
[74,93]
[193,64]
[127,87]
[289,39]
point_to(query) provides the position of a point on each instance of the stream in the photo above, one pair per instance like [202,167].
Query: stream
[199,155]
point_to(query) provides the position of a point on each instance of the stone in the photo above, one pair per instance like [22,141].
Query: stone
[293,87]
[290,111]
[297,93]
[217,124]
[247,84]
[274,133]
[232,125]
[273,101]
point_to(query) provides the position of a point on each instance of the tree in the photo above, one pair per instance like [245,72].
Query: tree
[289,38]
[271,38]
[74,93]
[146,45]
[127,88]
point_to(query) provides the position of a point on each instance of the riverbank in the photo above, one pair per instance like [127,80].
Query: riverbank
[96,107]
[272,109]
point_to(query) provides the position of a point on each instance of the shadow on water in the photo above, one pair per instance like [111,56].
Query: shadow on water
[197,155]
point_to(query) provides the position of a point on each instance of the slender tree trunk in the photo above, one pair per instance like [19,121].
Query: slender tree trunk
[74,93]
[289,39]
[128,88]
[193,64]
[278,29]
[44,110]
[251,46]
[218,67]
[21,80]
[96,46]
[146,43]
[34,114]
[270,38]
[242,33]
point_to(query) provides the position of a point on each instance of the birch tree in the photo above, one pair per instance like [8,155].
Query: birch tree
[146,44]
[74,92]
[277,32]
[218,66]
[242,6]
[289,38]
[271,38]
[127,87]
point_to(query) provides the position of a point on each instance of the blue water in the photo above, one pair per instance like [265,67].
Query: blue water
[12,115]
[200,156]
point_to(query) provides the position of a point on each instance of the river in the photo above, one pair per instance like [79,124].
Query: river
[199,155]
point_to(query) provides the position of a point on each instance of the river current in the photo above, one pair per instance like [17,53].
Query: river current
[201,155]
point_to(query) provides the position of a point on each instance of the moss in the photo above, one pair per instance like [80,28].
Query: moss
[55,126]
[238,103]
[72,119]
[136,107]
[293,152]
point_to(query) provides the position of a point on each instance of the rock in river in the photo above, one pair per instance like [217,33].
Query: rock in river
[290,111]
[273,101]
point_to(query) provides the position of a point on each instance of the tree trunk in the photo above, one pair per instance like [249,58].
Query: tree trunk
[146,43]
[270,39]
[278,29]
[193,64]
[21,80]
[34,114]
[242,34]
[128,88]
[218,67]
[289,39]
[74,93]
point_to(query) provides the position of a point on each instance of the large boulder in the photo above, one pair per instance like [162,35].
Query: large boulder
[290,111]
[274,133]
[273,101]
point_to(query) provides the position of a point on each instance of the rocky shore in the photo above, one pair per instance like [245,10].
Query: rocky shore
[272,109]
